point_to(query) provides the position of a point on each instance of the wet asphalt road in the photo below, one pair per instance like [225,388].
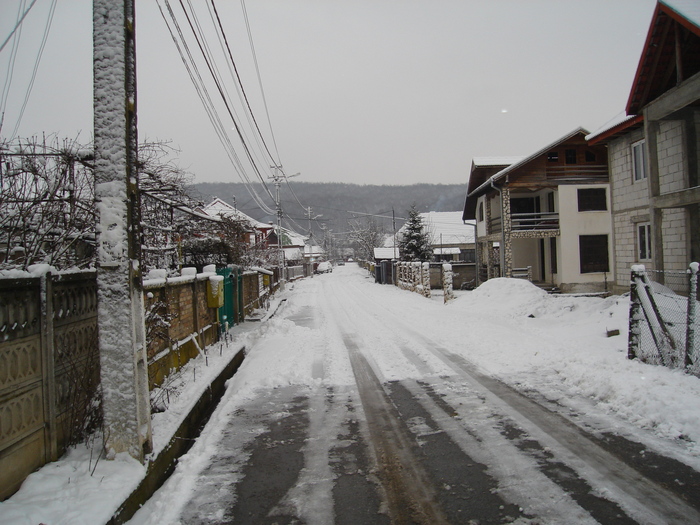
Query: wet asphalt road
[456,448]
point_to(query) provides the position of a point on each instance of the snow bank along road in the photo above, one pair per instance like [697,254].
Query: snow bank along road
[365,404]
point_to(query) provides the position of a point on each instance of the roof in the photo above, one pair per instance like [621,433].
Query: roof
[505,171]
[386,253]
[482,169]
[292,254]
[218,207]
[448,228]
[494,161]
[619,124]
[446,251]
[656,72]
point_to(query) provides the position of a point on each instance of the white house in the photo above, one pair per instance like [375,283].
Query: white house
[546,216]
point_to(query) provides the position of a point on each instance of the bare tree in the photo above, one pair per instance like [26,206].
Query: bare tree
[365,235]
[47,212]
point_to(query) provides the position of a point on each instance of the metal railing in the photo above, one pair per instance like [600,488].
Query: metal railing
[541,221]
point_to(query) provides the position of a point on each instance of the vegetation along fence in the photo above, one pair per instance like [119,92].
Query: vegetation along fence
[663,318]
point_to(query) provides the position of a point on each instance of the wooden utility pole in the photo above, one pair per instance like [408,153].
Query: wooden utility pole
[122,340]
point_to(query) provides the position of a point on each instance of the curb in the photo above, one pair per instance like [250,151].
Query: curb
[160,469]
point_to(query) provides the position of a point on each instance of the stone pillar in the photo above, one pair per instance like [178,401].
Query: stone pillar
[122,341]
[506,249]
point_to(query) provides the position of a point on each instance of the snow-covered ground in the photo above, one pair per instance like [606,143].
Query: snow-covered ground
[555,348]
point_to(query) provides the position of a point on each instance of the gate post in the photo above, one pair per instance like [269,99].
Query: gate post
[635,317]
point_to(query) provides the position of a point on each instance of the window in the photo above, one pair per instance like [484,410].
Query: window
[468,255]
[570,156]
[644,241]
[639,160]
[590,156]
[553,156]
[480,212]
[593,253]
[553,253]
[550,202]
[592,199]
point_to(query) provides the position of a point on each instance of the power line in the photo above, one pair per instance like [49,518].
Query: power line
[210,109]
[17,25]
[45,37]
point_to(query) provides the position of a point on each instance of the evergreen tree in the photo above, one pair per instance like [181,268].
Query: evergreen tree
[414,244]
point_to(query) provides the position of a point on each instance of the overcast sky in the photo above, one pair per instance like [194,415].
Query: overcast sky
[360,91]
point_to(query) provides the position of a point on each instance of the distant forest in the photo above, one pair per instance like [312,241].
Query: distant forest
[334,204]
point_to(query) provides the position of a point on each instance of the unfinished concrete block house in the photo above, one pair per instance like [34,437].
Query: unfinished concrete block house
[545,217]
[653,150]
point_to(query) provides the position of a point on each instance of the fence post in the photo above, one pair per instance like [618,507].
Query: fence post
[49,379]
[425,278]
[635,318]
[692,312]
[447,282]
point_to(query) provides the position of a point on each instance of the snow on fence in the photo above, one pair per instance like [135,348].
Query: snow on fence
[662,323]
[414,276]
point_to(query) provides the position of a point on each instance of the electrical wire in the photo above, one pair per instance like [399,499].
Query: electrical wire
[18,24]
[44,38]
[212,114]
[11,63]
[257,69]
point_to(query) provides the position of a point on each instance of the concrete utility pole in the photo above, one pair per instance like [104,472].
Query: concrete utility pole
[277,179]
[122,334]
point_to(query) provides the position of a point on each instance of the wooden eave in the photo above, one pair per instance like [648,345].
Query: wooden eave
[671,54]
[478,176]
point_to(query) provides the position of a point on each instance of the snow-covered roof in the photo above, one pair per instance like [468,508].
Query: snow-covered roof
[448,228]
[292,254]
[495,161]
[295,239]
[620,120]
[688,9]
[446,251]
[529,158]
[386,253]
[218,207]
[313,250]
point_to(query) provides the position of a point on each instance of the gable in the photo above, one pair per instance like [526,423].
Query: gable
[671,53]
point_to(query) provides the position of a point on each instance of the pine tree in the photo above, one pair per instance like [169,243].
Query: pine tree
[414,244]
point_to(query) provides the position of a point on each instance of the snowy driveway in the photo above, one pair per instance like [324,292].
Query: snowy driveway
[363,403]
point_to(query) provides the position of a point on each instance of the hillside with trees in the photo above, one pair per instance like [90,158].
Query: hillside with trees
[336,206]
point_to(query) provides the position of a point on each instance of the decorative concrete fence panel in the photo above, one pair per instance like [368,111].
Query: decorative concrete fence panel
[49,370]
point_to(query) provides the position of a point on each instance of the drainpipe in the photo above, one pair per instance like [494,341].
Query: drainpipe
[502,251]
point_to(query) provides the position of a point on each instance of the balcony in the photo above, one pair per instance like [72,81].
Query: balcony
[543,221]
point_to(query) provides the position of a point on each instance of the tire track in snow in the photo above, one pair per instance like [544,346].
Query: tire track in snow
[411,494]
[642,498]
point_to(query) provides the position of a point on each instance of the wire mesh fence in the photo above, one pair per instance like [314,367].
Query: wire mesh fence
[663,318]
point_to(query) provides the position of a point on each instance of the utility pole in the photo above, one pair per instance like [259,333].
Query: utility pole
[277,179]
[122,334]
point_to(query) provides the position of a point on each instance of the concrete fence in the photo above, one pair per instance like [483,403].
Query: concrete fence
[49,370]
[49,355]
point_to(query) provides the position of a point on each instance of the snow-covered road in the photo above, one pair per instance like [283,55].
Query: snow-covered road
[363,403]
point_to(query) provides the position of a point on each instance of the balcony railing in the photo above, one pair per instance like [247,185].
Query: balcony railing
[527,222]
